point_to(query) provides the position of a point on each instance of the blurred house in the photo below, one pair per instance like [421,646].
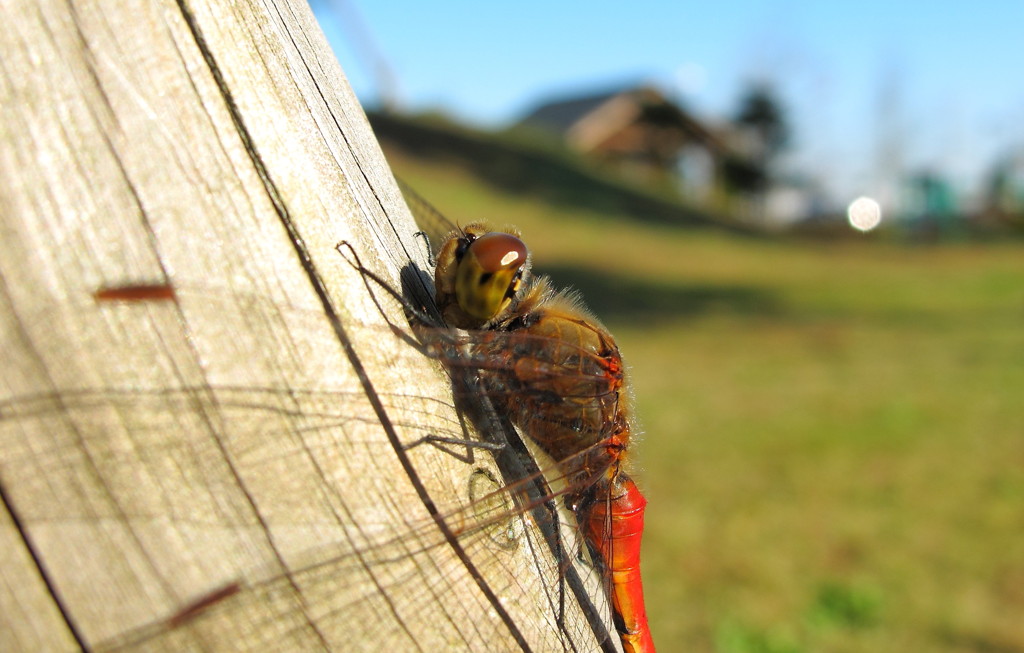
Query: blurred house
[792,199]
[638,130]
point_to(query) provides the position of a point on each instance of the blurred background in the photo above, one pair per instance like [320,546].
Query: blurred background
[804,223]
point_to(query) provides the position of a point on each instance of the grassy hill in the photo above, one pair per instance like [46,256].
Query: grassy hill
[833,442]
[524,164]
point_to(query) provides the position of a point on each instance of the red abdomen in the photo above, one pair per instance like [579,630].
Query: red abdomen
[614,529]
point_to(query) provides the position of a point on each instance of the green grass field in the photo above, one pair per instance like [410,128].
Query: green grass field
[833,432]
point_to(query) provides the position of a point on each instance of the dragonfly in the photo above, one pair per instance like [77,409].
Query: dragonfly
[558,373]
[364,562]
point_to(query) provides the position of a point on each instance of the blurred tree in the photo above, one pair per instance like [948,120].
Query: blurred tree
[743,175]
[762,132]
[1005,192]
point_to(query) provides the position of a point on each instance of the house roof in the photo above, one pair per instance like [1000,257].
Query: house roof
[615,108]
[561,115]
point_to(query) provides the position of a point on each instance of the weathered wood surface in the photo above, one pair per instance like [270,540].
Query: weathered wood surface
[222,449]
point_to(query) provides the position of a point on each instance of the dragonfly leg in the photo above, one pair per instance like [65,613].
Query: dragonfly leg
[438,441]
[368,275]
[431,259]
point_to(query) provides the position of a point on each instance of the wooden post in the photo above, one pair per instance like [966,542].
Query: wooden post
[220,460]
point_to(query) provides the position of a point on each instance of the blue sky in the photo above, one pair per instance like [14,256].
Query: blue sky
[871,88]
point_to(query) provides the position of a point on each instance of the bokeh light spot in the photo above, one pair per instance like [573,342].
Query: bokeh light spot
[864,214]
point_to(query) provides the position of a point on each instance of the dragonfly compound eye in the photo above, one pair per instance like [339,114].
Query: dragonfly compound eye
[488,274]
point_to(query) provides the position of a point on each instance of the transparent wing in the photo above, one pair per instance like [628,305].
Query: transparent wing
[276,516]
[434,225]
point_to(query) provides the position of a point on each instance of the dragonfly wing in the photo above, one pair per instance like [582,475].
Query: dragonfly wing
[194,508]
[433,224]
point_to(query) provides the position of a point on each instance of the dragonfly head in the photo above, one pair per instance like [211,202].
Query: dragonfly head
[479,273]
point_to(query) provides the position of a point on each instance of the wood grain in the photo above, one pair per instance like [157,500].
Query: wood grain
[219,462]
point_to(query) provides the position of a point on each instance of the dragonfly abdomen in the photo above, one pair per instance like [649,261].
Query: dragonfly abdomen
[614,528]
